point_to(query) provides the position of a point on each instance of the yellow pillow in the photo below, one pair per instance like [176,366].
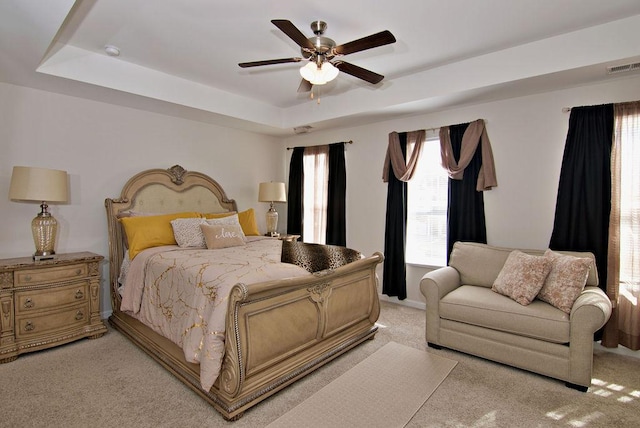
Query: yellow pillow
[151,231]
[246,218]
[218,215]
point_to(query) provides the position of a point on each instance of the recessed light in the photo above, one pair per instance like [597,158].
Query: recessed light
[112,50]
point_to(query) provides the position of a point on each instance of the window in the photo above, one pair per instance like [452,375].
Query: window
[427,209]
[630,206]
[316,180]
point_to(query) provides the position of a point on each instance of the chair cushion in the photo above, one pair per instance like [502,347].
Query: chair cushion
[478,264]
[482,307]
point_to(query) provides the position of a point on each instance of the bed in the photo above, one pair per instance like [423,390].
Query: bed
[276,330]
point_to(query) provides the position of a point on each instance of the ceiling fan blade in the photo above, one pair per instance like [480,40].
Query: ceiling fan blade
[305,86]
[373,41]
[359,72]
[268,62]
[292,31]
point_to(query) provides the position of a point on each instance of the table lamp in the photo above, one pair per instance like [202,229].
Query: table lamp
[41,185]
[272,192]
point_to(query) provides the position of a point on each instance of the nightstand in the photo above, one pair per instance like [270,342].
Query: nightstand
[289,237]
[48,303]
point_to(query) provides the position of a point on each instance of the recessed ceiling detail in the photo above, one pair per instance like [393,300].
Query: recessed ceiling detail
[182,57]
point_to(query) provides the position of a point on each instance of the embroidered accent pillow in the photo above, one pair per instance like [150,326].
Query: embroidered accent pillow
[522,276]
[566,280]
[222,235]
[187,232]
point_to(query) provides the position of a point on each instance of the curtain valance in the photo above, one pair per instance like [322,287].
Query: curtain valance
[402,169]
[475,134]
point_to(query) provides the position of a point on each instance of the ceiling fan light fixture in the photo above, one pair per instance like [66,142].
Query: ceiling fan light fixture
[319,75]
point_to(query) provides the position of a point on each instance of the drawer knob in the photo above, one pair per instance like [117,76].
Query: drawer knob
[28,303]
[27,278]
[29,326]
[79,294]
[79,315]
[78,271]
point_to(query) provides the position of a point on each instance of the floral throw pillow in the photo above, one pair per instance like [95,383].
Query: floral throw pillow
[222,235]
[566,280]
[522,276]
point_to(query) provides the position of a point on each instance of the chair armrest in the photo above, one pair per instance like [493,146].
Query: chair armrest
[434,286]
[438,283]
[589,313]
[591,310]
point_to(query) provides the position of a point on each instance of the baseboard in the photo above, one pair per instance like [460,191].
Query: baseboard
[620,350]
[409,303]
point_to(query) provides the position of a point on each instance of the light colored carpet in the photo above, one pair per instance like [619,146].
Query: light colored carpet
[366,395]
[108,382]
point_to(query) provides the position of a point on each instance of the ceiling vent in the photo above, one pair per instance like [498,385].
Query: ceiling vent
[302,129]
[623,68]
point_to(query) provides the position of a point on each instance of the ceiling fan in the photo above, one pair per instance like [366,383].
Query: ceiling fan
[324,55]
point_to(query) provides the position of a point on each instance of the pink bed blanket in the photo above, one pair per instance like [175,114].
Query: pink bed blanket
[183,293]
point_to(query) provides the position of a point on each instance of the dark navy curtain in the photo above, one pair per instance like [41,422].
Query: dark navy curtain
[584,193]
[394,277]
[295,195]
[465,211]
[337,192]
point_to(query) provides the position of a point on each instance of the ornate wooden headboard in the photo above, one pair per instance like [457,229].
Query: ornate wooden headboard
[159,191]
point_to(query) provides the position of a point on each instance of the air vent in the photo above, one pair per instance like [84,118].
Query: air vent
[623,68]
[302,129]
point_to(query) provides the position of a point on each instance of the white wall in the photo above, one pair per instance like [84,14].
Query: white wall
[527,136]
[101,146]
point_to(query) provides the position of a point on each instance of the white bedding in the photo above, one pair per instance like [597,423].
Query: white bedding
[183,293]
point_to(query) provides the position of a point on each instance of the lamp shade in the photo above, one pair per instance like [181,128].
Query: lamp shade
[319,75]
[38,184]
[272,192]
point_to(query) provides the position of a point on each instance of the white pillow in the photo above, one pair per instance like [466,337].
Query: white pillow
[228,220]
[232,220]
[187,232]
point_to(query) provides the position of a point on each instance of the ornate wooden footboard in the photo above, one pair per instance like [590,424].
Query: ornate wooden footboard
[276,331]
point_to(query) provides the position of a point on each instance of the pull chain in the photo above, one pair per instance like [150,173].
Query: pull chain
[313,88]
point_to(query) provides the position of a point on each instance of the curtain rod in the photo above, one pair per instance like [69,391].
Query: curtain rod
[346,142]
[438,127]
[566,109]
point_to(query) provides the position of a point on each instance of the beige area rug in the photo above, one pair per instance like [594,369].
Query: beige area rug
[384,390]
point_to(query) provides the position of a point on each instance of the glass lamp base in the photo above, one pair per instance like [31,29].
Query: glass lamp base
[272,221]
[44,228]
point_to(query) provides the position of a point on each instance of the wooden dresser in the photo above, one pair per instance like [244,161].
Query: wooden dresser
[48,303]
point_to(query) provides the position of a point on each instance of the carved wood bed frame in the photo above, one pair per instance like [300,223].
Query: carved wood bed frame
[267,347]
